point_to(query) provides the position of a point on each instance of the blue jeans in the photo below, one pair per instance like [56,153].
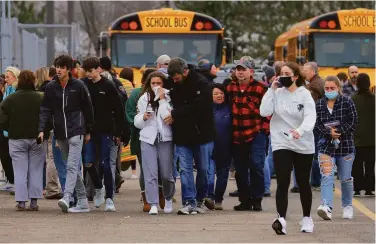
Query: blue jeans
[327,167]
[250,156]
[268,168]
[100,144]
[221,169]
[61,165]
[315,171]
[201,154]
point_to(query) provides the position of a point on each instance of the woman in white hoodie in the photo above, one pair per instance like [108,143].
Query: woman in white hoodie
[293,118]
[156,141]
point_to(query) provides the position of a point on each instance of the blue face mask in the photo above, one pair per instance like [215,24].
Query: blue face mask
[331,95]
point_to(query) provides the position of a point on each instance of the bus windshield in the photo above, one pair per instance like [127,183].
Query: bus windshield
[344,49]
[136,50]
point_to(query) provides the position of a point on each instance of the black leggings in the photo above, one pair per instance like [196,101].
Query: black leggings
[284,161]
[6,160]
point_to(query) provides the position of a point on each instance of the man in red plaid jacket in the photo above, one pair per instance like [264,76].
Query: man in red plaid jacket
[249,135]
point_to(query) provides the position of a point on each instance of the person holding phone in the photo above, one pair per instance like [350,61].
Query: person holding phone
[109,120]
[337,119]
[156,141]
[293,118]
[19,115]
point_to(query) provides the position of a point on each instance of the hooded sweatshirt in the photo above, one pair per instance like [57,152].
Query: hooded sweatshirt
[290,110]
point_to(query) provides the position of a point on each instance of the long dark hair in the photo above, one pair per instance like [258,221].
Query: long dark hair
[147,87]
[297,72]
[145,75]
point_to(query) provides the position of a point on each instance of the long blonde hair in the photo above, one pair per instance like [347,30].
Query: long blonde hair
[41,75]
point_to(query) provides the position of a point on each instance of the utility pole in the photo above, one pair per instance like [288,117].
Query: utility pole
[70,16]
[50,7]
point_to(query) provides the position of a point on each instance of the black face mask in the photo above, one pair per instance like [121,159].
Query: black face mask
[285,81]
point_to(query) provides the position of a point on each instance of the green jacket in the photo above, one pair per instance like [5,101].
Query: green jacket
[19,114]
[131,112]
[364,135]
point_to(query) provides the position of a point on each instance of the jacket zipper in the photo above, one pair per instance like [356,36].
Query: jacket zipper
[53,121]
[80,118]
[65,119]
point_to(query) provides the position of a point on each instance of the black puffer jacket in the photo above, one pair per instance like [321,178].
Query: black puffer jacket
[70,108]
[192,110]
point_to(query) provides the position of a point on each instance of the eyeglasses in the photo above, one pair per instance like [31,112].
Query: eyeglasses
[156,83]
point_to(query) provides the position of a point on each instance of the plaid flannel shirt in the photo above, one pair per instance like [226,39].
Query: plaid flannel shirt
[245,107]
[345,113]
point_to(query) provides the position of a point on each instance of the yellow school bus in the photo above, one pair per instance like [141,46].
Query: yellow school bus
[334,40]
[139,38]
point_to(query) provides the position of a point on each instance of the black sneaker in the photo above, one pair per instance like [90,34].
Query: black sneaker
[357,194]
[256,205]
[243,207]
[295,189]
[369,194]
[267,195]
[234,193]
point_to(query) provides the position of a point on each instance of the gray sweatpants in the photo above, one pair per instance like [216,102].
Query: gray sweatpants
[156,158]
[71,149]
[28,164]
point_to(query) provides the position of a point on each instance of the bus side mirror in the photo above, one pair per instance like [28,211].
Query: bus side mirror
[102,42]
[229,44]
[302,42]
[300,60]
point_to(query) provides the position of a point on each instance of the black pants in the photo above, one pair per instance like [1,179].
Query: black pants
[284,161]
[363,170]
[6,160]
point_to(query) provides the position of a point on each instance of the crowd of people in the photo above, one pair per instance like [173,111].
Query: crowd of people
[179,121]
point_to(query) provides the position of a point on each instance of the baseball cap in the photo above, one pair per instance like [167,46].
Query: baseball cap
[246,64]
[163,59]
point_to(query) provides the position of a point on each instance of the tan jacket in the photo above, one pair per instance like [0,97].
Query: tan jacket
[316,87]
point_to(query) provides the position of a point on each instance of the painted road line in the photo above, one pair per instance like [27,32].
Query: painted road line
[358,205]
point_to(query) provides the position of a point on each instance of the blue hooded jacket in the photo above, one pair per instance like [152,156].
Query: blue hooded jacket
[223,124]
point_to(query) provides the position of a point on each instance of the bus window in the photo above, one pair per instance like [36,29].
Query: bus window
[174,48]
[134,46]
[135,50]
[344,49]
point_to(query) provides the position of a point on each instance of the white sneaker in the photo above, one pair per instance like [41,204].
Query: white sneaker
[99,197]
[134,177]
[63,204]
[307,225]
[153,210]
[110,206]
[279,226]
[348,212]
[168,206]
[324,212]
[7,187]
[81,207]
